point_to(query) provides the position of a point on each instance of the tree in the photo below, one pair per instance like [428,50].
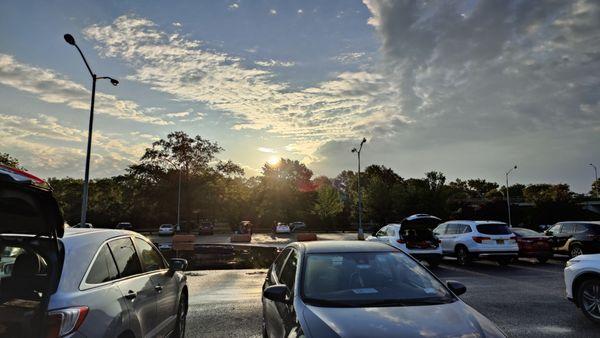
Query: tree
[328,205]
[595,188]
[9,161]
[481,186]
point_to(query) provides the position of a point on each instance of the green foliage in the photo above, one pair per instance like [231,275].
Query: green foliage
[595,188]
[9,161]
[328,204]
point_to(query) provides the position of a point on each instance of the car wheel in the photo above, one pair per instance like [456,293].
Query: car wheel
[462,256]
[542,260]
[181,317]
[504,261]
[575,250]
[589,299]
[264,330]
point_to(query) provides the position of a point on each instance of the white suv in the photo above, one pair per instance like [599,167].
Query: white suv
[469,240]
[582,281]
[414,236]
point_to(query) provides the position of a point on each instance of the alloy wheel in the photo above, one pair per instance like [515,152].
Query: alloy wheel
[590,299]
[181,316]
[462,256]
[576,251]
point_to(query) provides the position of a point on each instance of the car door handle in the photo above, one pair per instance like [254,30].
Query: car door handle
[158,288]
[131,295]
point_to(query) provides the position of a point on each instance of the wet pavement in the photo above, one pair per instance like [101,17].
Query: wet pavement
[524,300]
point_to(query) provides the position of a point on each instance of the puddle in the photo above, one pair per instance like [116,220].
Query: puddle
[553,329]
[222,256]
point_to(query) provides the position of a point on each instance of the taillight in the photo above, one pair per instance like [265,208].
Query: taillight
[401,240]
[479,239]
[64,321]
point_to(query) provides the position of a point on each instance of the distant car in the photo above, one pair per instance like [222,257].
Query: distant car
[575,238]
[206,228]
[582,281]
[362,289]
[166,230]
[7,260]
[124,226]
[245,227]
[81,283]
[413,235]
[165,246]
[282,228]
[295,226]
[470,240]
[83,226]
[533,244]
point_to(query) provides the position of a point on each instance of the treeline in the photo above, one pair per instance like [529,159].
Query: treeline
[288,191]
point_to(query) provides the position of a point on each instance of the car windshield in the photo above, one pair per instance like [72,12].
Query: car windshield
[369,279]
[494,229]
[526,233]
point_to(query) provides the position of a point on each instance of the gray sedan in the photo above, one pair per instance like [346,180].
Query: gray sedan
[362,289]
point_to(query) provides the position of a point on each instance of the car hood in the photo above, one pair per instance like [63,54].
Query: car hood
[27,205]
[594,257]
[445,320]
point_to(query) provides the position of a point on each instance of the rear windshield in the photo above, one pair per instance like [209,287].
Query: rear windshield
[494,229]
[593,228]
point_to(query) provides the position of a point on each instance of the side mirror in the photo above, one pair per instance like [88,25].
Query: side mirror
[178,264]
[456,287]
[277,293]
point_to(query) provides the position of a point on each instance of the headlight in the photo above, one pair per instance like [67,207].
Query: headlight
[572,261]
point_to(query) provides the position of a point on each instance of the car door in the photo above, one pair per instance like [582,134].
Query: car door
[136,287]
[165,285]
[554,232]
[288,278]
[566,231]
[440,233]
[450,234]
[270,310]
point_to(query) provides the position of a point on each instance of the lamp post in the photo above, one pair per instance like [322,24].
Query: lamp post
[508,196]
[361,235]
[595,174]
[70,40]
[179,202]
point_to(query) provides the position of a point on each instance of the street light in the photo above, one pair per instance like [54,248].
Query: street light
[595,174]
[508,196]
[361,234]
[70,40]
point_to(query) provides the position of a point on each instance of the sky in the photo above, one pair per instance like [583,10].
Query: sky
[468,88]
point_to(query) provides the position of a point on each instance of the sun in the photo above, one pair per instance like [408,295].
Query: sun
[273,160]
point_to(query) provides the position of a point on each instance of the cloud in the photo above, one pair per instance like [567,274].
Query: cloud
[273,12]
[266,150]
[44,145]
[348,58]
[333,109]
[234,6]
[52,87]
[179,114]
[274,63]
[177,24]
[300,11]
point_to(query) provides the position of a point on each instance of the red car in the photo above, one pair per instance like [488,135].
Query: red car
[533,244]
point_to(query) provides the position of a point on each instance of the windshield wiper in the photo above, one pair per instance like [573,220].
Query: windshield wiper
[410,302]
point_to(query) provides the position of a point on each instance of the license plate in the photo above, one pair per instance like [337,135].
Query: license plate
[500,241]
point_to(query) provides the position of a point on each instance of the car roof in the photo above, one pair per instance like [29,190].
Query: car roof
[581,222]
[93,234]
[342,246]
[475,222]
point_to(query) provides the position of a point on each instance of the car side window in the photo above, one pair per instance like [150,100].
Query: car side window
[390,231]
[452,229]
[103,268]
[288,274]
[580,228]
[466,229]
[382,232]
[567,228]
[555,229]
[128,262]
[278,264]
[440,230]
[151,259]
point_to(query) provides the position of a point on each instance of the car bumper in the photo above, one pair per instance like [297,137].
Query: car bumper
[536,254]
[495,254]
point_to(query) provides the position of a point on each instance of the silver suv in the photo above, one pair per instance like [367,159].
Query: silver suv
[80,282]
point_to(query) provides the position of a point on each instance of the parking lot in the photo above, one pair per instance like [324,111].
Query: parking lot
[523,299]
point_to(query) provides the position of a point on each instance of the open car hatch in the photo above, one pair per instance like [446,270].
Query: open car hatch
[27,206]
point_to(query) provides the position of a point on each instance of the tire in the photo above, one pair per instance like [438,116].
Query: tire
[463,256]
[542,260]
[181,317]
[434,262]
[264,331]
[575,250]
[588,297]
[504,261]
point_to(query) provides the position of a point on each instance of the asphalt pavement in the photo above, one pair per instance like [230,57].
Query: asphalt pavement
[524,299]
